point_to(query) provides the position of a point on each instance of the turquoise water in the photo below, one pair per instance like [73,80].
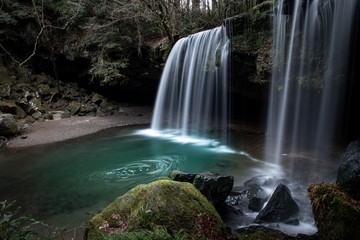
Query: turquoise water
[64,183]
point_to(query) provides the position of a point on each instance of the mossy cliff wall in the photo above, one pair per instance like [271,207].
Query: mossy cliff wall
[252,61]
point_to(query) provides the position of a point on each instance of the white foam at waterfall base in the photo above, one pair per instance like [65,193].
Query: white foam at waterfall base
[177,137]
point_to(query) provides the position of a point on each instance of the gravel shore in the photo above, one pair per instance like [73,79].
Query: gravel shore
[59,130]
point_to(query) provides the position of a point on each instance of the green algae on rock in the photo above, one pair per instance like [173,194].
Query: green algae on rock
[175,206]
[336,214]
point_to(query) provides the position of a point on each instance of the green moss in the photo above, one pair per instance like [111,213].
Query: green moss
[164,178]
[173,205]
[337,215]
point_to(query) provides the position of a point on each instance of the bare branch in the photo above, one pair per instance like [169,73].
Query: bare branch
[35,46]
[12,58]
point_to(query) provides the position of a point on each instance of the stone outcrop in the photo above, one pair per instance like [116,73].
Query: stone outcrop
[162,204]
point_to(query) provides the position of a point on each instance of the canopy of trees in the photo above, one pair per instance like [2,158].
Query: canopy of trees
[107,32]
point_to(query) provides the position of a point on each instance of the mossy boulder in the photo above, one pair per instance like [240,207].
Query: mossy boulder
[336,214]
[175,206]
[8,125]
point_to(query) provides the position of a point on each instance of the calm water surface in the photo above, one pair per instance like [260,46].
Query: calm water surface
[64,183]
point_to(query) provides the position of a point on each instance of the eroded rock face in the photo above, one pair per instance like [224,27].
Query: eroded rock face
[8,125]
[164,203]
[348,177]
[280,208]
[336,214]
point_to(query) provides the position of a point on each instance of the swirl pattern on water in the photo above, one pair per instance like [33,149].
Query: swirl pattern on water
[138,171]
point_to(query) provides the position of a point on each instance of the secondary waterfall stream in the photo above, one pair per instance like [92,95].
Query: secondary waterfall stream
[310,60]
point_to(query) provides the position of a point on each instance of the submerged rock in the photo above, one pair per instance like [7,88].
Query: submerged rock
[336,214]
[281,207]
[348,177]
[162,204]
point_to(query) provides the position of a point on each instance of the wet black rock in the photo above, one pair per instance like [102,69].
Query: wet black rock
[257,198]
[214,187]
[180,176]
[348,178]
[280,208]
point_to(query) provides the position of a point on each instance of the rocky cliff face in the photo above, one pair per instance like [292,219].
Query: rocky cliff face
[26,97]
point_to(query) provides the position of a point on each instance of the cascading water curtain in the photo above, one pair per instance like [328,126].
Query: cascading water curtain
[311,51]
[192,95]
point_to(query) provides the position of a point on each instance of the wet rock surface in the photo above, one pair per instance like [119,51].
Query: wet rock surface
[348,177]
[281,207]
[215,187]
[257,198]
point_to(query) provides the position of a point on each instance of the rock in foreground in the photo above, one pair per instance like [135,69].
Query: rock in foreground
[336,214]
[173,205]
[281,207]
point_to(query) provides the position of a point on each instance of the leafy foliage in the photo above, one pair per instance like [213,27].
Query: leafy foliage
[107,32]
[14,227]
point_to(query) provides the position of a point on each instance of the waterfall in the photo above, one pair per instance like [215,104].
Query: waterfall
[192,96]
[310,63]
